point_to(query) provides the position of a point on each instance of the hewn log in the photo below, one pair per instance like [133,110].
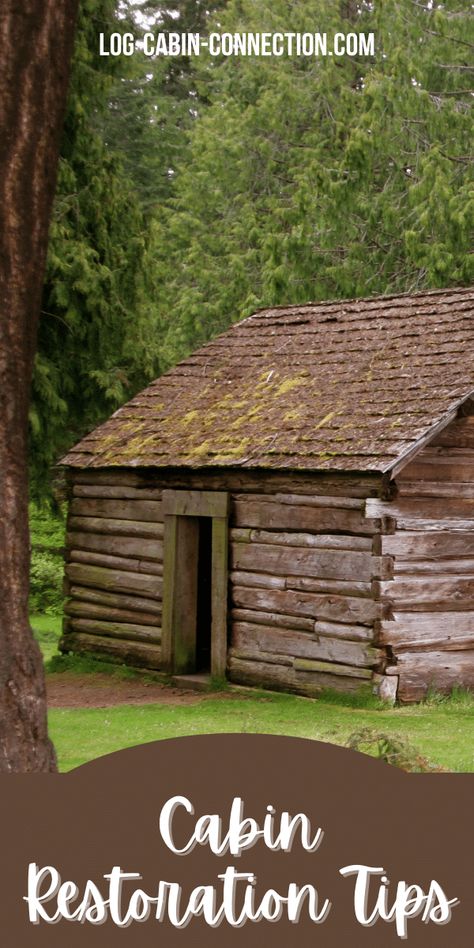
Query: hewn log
[265,515]
[432,593]
[442,631]
[92,610]
[319,541]
[327,564]
[120,492]
[136,548]
[253,654]
[339,630]
[328,668]
[441,469]
[116,562]
[423,508]
[301,623]
[116,600]
[282,641]
[418,545]
[288,602]
[283,678]
[219,595]
[148,510]
[190,503]
[263,580]
[437,489]
[307,500]
[113,579]
[141,654]
[432,671]
[459,434]
[345,485]
[127,528]
[117,630]
[338,587]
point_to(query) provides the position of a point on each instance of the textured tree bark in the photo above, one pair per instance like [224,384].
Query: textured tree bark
[36,38]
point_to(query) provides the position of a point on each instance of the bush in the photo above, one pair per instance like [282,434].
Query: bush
[392,749]
[46,582]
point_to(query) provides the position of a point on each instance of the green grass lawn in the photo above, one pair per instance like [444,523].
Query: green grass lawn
[441,730]
[47,630]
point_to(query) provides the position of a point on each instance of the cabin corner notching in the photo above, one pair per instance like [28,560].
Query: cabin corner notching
[292,506]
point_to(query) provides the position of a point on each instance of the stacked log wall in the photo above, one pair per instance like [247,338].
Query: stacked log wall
[305,581]
[431,635]
[305,575]
[114,569]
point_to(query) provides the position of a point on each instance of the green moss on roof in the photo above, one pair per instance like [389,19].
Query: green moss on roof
[347,385]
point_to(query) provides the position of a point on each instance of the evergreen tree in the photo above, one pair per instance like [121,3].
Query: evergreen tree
[97,342]
[322,178]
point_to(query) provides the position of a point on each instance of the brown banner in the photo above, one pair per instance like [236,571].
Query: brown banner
[267,824]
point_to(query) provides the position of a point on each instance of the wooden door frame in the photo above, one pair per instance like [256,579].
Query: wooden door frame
[181,508]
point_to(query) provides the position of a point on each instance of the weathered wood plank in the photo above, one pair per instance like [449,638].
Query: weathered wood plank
[339,587]
[116,600]
[219,594]
[112,579]
[283,678]
[288,602]
[319,541]
[190,503]
[437,671]
[273,619]
[439,469]
[127,528]
[116,562]
[300,518]
[248,636]
[307,500]
[327,564]
[419,545]
[339,630]
[403,636]
[433,488]
[435,566]
[460,434]
[148,510]
[268,581]
[431,593]
[93,610]
[134,547]
[307,665]
[140,654]
[120,492]
[117,630]
[423,508]
[180,593]
[336,483]
[264,580]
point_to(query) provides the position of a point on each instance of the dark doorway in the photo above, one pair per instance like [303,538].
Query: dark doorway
[204,596]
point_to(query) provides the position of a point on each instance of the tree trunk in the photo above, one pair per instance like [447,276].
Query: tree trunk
[36,38]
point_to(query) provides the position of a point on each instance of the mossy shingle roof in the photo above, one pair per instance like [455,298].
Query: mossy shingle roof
[348,385]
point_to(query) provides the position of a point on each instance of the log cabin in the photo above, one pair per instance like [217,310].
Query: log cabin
[292,506]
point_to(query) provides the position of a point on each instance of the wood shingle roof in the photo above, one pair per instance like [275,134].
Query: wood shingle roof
[347,385]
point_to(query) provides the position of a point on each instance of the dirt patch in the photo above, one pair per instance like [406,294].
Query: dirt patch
[68,690]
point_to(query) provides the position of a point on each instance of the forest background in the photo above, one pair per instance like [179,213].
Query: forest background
[192,191]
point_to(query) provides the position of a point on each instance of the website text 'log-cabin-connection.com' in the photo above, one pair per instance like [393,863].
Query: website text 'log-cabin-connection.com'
[309,45]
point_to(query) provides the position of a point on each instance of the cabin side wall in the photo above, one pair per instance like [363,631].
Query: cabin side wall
[431,635]
[305,577]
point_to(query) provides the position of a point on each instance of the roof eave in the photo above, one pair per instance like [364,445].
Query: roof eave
[411,452]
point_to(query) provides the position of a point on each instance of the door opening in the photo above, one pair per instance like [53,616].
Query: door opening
[204,596]
[194,617]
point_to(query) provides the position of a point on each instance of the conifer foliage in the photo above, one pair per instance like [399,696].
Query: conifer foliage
[326,177]
[97,343]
